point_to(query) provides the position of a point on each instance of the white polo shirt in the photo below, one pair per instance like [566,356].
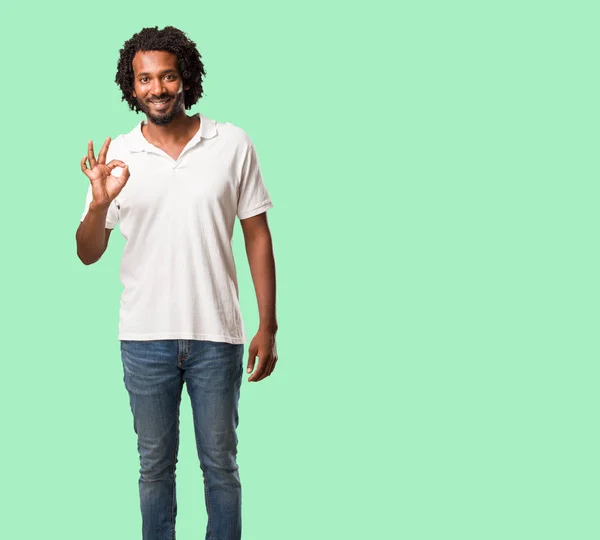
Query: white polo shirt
[177,218]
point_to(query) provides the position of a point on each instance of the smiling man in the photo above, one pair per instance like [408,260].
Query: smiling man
[175,185]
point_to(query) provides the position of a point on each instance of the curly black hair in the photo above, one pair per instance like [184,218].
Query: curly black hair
[168,39]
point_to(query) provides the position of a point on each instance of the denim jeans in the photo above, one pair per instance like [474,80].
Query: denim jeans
[154,375]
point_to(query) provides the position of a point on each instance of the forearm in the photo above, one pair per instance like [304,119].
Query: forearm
[262,268]
[91,234]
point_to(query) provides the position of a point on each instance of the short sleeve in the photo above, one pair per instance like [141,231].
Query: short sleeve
[253,198]
[112,215]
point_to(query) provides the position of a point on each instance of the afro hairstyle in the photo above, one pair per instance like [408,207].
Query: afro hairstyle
[168,39]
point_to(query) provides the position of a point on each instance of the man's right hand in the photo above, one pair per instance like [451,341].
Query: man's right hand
[105,186]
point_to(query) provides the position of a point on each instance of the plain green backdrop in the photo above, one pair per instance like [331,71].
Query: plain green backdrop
[433,168]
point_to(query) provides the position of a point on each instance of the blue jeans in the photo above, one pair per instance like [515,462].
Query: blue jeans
[154,374]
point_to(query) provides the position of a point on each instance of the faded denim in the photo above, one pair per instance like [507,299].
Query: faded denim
[154,375]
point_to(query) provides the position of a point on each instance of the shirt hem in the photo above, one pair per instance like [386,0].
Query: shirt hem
[258,210]
[107,225]
[235,340]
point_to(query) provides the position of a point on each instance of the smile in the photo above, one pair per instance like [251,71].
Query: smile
[160,104]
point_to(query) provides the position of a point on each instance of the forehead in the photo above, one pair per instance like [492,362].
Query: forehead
[153,61]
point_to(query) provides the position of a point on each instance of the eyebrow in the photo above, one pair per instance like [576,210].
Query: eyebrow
[161,73]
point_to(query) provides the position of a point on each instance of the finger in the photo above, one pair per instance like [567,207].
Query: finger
[254,375]
[251,360]
[260,372]
[273,359]
[83,164]
[115,163]
[91,157]
[103,151]
[125,175]
[250,368]
[268,367]
[272,365]
[122,180]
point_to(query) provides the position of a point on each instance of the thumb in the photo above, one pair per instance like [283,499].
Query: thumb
[251,361]
[114,163]
[125,174]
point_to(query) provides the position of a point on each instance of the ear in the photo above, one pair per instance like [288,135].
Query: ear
[133,94]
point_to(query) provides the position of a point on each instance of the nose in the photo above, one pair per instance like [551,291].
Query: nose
[157,88]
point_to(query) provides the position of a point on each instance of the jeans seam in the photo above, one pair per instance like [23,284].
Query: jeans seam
[210,527]
[174,460]
[182,355]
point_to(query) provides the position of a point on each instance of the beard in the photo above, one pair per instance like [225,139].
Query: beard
[162,119]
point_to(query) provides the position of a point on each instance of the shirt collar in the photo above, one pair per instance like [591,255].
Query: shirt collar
[136,142]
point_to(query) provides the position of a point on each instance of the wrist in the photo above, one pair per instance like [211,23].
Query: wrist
[270,327]
[99,207]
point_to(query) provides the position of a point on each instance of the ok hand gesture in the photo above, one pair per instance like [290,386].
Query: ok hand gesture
[105,186]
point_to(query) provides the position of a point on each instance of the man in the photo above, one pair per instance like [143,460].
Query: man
[175,184]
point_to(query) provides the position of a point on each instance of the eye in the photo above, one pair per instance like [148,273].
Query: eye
[170,77]
[143,79]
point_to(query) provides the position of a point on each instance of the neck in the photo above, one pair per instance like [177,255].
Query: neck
[179,128]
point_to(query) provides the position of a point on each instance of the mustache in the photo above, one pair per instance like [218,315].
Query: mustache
[165,96]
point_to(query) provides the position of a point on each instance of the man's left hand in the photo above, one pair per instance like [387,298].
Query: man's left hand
[263,346]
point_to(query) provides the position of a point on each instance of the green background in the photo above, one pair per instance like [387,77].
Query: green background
[433,167]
